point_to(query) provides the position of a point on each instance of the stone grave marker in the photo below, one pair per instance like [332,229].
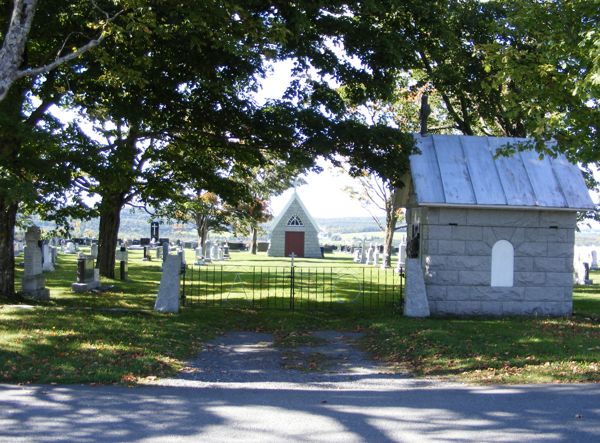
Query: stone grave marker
[122,257]
[357,255]
[199,256]
[70,248]
[214,253]
[168,296]
[207,251]
[226,255]
[33,280]
[165,250]
[47,264]
[88,277]
[415,299]
[376,256]
[18,248]
[94,251]
[370,255]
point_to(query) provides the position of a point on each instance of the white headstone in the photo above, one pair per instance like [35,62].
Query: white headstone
[214,252]
[48,265]
[363,252]
[226,255]
[168,292]
[207,250]
[121,256]
[33,280]
[94,251]
[415,298]
[370,255]
[70,248]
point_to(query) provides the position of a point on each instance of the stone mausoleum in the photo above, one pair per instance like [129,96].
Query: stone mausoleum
[492,235]
[294,231]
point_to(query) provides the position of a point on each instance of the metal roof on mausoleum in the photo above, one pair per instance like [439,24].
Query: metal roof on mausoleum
[457,170]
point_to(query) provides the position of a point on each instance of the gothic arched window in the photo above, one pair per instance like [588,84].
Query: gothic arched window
[295,221]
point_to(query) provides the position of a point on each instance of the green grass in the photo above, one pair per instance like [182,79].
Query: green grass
[81,337]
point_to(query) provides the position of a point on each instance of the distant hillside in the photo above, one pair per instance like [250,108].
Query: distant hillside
[345,225]
[136,224]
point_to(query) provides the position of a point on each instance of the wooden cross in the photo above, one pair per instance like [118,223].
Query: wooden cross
[293,256]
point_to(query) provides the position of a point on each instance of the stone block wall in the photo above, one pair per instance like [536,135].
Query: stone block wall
[456,255]
[312,248]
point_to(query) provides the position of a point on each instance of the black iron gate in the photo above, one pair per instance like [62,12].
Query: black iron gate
[292,287]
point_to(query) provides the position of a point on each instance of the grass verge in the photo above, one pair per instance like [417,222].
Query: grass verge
[81,338]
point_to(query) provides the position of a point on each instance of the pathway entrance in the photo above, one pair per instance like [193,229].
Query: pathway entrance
[251,357]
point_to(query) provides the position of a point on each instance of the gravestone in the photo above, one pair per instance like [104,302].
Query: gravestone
[226,252]
[401,257]
[165,250]
[70,248]
[363,252]
[154,231]
[594,259]
[159,252]
[221,253]
[167,299]
[94,251]
[376,256]
[88,277]
[357,255]
[199,256]
[53,254]
[18,248]
[122,257]
[47,264]
[207,250]
[33,280]
[415,299]
[214,253]
[370,255]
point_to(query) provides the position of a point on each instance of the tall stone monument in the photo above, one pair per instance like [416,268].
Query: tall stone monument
[33,280]
[168,292]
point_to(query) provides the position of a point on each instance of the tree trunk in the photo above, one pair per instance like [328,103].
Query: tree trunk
[254,243]
[110,220]
[391,217]
[8,217]
[201,228]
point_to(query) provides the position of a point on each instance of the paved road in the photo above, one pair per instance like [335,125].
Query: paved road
[352,401]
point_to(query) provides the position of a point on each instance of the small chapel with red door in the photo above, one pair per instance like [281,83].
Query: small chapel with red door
[294,231]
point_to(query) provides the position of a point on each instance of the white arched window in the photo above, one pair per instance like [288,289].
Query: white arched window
[295,221]
[503,264]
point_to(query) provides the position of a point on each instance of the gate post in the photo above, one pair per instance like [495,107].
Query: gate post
[292,281]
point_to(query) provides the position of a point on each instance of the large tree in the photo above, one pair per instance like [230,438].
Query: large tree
[175,104]
[37,158]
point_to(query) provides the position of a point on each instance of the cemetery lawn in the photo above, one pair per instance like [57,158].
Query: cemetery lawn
[115,337]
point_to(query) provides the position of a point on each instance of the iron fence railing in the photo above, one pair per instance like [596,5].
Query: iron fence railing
[292,287]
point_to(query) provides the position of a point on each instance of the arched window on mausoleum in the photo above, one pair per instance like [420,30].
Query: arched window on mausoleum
[295,221]
[503,264]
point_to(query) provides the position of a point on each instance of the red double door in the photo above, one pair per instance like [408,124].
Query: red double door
[294,242]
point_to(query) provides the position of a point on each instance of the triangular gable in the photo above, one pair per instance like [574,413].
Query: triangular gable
[295,197]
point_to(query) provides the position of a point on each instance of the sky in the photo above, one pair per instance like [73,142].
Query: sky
[324,196]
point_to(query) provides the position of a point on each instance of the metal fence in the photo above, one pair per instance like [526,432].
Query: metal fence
[364,288]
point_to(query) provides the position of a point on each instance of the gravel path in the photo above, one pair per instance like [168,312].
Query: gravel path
[331,358]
